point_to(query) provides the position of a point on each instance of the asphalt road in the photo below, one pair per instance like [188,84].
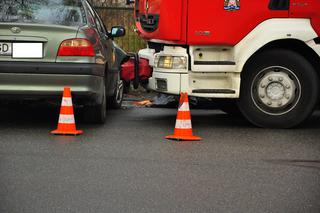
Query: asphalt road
[126,165]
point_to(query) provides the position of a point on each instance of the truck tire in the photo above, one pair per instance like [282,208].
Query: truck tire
[279,89]
[115,101]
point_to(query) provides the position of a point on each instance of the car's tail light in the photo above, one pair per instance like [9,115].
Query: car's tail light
[76,47]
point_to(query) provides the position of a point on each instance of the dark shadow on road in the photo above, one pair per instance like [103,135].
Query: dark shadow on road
[214,119]
[33,115]
[28,115]
[312,164]
[46,116]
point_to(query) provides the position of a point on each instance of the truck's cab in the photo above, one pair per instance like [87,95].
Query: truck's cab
[263,53]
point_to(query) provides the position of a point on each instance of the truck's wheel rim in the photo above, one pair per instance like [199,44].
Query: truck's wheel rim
[119,92]
[276,90]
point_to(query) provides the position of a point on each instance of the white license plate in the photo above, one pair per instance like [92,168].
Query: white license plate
[27,50]
[5,49]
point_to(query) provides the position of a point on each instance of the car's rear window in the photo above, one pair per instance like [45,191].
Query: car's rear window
[58,12]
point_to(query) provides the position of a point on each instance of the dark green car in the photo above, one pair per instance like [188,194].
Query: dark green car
[48,44]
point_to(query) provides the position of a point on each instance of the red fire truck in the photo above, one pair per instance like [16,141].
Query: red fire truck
[264,54]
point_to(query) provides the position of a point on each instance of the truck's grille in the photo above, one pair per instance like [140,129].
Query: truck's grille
[149,22]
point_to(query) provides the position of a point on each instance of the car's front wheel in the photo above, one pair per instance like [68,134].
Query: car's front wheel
[279,89]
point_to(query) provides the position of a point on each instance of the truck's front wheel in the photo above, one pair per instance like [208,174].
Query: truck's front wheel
[279,89]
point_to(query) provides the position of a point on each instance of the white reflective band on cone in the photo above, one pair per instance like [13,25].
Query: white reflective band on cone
[183,124]
[66,119]
[184,107]
[66,102]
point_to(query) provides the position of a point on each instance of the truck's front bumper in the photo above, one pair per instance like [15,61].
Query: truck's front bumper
[20,80]
[207,85]
[170,83]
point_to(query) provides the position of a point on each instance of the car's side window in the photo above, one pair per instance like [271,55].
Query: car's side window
[96,20]
[90,15]
[104,30]
[99,26]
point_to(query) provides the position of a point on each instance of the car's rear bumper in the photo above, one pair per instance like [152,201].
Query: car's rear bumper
[52,68]
[47,80]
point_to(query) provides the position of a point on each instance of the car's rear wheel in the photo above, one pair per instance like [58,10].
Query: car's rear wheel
[279,89]
[96,113]
[115,101]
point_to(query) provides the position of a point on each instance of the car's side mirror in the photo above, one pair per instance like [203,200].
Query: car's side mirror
[130,2]
[117,31]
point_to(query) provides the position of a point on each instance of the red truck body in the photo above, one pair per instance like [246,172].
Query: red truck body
[206,22]
[264,55]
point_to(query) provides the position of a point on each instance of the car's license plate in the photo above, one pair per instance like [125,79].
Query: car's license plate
[27,50]
[21,50]
[5,49]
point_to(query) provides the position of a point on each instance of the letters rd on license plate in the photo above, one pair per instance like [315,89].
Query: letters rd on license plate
[5,49]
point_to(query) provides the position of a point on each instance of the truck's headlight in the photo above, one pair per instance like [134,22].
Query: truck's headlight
[171,62]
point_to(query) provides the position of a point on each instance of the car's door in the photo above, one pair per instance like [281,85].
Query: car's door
[106,42]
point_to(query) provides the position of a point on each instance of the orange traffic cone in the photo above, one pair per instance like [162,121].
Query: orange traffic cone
[66,124]
[183,129]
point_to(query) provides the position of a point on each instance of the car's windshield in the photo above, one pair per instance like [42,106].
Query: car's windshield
[60,12]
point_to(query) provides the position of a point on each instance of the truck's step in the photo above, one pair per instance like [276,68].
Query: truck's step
[214,63]
[221,91]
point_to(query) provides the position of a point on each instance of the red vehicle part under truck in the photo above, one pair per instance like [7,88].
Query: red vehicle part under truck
[264,55]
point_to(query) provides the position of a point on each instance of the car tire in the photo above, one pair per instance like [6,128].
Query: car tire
[115,101]
[96,114]
[279,89]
